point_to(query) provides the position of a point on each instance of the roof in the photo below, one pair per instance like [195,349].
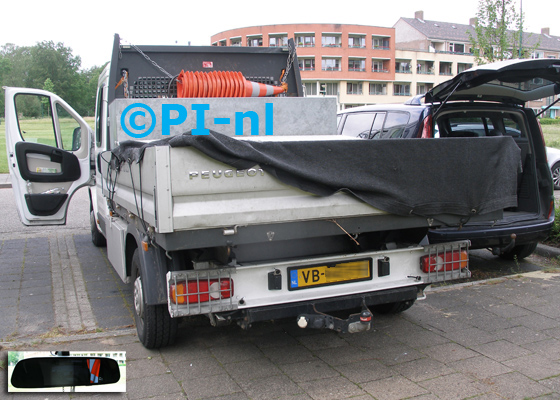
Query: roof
[460,32]
[441,30]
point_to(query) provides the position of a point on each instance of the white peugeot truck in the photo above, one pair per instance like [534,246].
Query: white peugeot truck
[246,209]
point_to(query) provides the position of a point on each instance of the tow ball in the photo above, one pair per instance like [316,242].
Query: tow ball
[359,322]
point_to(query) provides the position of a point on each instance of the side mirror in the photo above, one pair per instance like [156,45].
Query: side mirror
[45,372]
[76,138]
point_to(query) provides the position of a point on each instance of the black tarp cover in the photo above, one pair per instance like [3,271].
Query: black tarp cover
[459,176]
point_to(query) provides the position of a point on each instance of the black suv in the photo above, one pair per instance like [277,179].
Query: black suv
[484,101]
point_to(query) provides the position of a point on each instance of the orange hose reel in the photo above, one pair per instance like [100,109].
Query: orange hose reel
[222,84]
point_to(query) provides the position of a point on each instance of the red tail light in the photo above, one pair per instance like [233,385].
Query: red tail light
[427,131]
[447,261]
[200,291]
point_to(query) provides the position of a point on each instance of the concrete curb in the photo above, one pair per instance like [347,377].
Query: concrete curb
[547,251]
[30,341]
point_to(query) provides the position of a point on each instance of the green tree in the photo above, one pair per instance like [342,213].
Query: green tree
[57,63]
[49,87]
[14,357]
[48,63]
[497,32]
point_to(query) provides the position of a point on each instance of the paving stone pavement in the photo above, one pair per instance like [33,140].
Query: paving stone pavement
[495,340]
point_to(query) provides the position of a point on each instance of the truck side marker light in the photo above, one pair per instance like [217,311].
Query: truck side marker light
[144,246]
[200,291]
[447,261]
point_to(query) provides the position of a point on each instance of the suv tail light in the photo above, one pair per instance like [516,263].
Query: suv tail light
[427,130]
[447,261]
[201,291]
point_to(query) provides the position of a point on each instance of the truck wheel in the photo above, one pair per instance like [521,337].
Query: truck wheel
[393,308]
[154,325]
[96,237]
[520,252]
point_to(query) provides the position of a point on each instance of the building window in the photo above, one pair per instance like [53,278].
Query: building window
[422,88]
[235,42]
[378,66]
[380,43]
[356,64]
[278,41]
[305,40]
[357,41]
[401,89]
[222,43]
[456,48]
[310,88]
[329,88]
[255,41]
[354,88]
[537,54]
[463,67]
[425,67]
[330,40]
[306,64]
[330,64]
[445,68]
[377,89]
[403,67]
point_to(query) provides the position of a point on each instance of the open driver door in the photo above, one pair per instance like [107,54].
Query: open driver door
[49,147]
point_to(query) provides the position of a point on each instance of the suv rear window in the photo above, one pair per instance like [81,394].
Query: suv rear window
[476,124]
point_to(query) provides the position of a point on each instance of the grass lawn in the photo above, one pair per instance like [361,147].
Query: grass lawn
[37,131]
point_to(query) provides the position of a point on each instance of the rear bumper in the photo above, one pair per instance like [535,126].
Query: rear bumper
[329,305]
[497,236]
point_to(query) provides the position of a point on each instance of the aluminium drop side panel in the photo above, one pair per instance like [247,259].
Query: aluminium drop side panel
[210,194]
[135,195]
[163,197]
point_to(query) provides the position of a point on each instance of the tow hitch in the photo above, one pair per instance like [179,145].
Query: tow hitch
[359,322]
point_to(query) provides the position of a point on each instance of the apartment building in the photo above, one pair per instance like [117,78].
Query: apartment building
[446,46]
[354,63]
[361,64]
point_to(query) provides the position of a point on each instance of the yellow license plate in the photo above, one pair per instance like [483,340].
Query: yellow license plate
[332,274]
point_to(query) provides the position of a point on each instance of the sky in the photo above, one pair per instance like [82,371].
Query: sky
[89,27]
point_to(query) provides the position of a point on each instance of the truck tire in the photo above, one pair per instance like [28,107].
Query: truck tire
[519,252]
[154,325]
[393,308]
[96,237]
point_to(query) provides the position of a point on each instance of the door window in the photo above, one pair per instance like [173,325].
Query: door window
[35,119]
[395,125]
[39,124]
